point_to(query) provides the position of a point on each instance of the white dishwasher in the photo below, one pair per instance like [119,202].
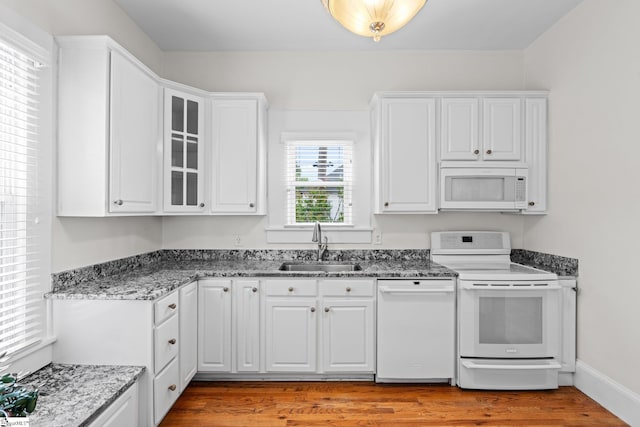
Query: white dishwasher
[416,330]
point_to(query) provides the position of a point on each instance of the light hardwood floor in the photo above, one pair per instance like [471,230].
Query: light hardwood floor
[369,404]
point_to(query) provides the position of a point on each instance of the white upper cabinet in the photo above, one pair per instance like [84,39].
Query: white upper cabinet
[502,129]
[109,130]
[238,154]
[536,154]
[459,130]
[184,156]
[405,154]
[501,135]
[134,137]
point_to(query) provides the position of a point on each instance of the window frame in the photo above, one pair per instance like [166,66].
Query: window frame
[292,184]
[23,36]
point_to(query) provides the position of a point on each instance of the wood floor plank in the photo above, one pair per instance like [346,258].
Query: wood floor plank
[355,404]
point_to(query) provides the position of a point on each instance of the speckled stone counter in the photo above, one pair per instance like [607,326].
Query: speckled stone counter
[148,281]
[74,395]
[562,266]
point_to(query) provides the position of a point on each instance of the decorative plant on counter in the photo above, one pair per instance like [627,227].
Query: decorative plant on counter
[16,400]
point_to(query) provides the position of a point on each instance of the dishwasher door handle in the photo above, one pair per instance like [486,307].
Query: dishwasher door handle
[471,365]
[416,291]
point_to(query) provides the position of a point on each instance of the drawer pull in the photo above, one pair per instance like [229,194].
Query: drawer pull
[291,289]
[172,387]
[172,341]
[172,306]
[416,283]
[348,289]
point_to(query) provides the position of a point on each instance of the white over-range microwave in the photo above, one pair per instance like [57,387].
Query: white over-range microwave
[486,189]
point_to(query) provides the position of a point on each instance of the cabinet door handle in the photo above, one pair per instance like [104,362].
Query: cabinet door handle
[313,309]
[172,387]
[254,290]
[327,309]
[225,289]
[476,151]
[348,289]
[118,202]
[386,204]
[532,203]
[291,289]
[172,341]
[489,151]
[251,205]
[202,205]
[172,306]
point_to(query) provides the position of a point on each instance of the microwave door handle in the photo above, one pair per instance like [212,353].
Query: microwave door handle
[472,365]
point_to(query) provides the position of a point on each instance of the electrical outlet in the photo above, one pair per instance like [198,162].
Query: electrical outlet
[237,240]
[377,238]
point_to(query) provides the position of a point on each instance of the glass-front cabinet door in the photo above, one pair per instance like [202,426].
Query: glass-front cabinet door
[184,152]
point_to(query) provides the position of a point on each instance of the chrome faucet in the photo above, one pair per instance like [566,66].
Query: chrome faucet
[317,238]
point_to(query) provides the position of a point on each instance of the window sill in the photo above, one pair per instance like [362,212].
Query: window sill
[336,234]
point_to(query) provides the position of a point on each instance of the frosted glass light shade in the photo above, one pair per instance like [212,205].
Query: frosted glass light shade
[373,18]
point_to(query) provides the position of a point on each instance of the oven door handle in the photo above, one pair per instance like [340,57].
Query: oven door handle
[416,291]
[509,288]
[472,365]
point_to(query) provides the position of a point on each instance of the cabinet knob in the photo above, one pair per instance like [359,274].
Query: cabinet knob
[225,289]
[532,203]
[254,290]
[291,289]
[313,309]
[118,202]
[172,341]
[202,205]
[416,282]
[348,289]
[386,204]
[476,151]
[172,387]
[172,306]
[251,205]
[327,309]
[489,151]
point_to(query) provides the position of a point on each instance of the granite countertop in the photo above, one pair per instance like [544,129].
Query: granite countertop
[74,395]
[150,283]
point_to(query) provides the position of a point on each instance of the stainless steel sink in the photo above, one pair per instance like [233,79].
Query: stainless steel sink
[290,266]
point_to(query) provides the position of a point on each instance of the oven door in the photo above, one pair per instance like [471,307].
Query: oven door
[509,319]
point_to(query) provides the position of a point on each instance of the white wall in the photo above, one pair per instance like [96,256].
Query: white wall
[303,81]
[80,242]
[590,61]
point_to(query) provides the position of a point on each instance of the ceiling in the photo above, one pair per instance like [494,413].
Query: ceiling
[240,25]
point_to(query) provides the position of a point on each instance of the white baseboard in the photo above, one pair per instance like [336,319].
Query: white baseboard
[619,400]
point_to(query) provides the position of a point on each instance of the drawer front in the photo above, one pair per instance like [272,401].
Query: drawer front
[166,390]
[346,288]
[166,343]
[305,288]
[166,307]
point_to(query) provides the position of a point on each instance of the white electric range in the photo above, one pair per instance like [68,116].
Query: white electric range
[508,314]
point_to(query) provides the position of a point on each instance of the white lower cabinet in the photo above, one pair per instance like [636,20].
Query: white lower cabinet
[121,413]
[291,326]
[214,325]
[246,304]
[348,326]
[188,333]
[325,326]
[128,332]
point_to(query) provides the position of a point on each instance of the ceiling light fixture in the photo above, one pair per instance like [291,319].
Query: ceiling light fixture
[373,18]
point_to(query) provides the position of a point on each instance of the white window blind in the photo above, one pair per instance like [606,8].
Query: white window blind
[21,302]
[319,182]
